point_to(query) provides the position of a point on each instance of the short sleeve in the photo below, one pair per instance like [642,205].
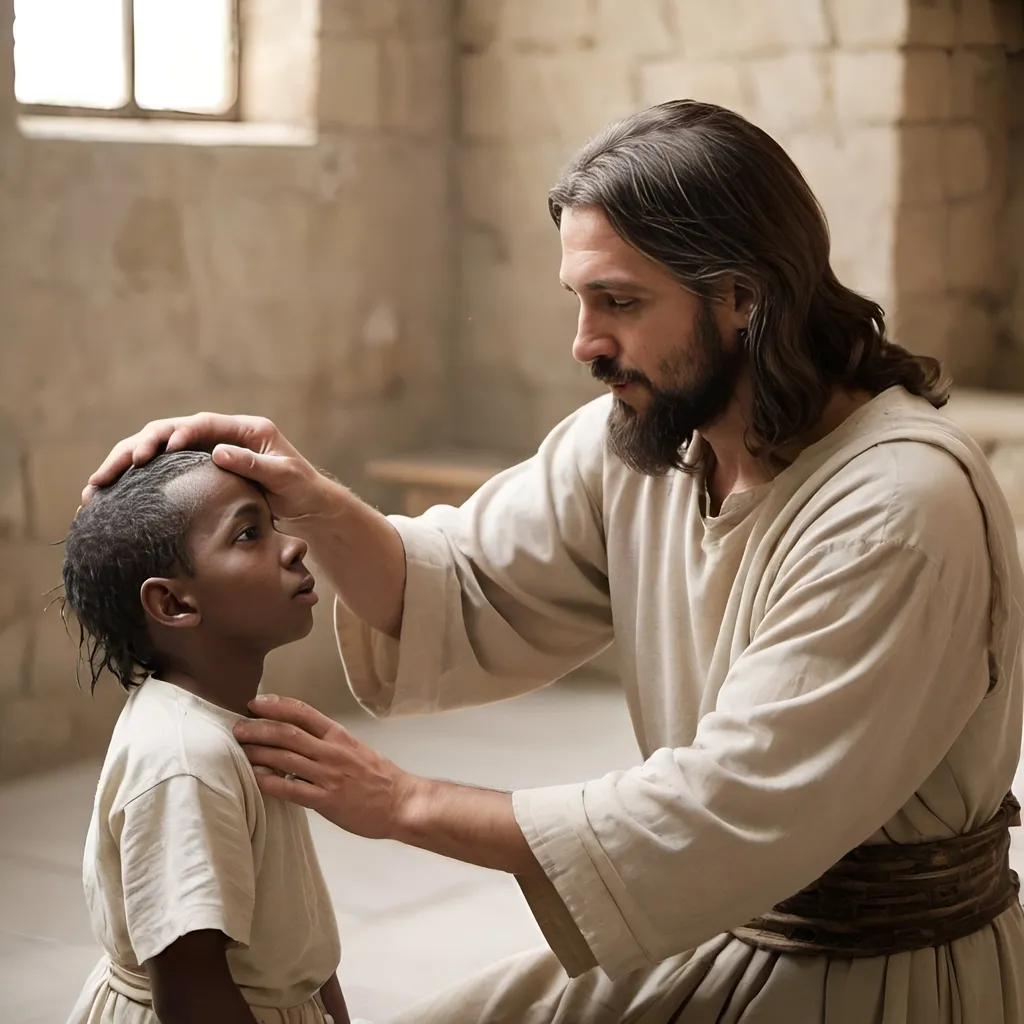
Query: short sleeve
[186,865]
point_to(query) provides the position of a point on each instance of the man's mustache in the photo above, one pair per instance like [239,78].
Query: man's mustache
[604,370]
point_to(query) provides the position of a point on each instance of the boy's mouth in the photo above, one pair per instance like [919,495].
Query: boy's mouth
[306,586]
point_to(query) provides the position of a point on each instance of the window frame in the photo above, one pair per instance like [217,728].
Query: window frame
[131,110]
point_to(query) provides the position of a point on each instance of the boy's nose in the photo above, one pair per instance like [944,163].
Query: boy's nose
[294,550]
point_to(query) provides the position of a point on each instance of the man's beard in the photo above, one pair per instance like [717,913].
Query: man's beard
[655,441]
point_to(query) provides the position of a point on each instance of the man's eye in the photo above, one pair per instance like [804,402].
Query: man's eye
[621,303]
[249,533]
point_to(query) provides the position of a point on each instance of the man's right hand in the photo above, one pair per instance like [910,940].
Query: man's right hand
[250,446]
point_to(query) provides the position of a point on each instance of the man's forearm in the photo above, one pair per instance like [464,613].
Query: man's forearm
[361,553]
[477,826]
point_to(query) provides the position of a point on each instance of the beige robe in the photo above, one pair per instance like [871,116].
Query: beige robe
[831,660]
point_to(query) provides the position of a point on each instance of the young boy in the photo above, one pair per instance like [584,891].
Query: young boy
[207,898]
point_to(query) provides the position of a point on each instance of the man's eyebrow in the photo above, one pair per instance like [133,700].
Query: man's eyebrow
[609,284]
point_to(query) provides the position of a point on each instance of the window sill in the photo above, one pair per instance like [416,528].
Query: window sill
[175,133]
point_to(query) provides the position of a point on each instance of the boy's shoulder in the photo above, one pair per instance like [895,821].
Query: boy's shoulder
[164,732]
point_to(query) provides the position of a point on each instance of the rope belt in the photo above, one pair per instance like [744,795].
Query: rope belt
[893,898]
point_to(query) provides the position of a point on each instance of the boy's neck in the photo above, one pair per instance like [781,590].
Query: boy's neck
[228,683]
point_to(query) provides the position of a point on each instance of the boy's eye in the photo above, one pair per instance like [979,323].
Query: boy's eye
[249,533]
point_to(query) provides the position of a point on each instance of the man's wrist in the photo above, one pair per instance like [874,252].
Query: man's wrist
[411,808]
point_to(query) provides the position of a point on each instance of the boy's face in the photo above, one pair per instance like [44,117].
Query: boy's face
[249,585]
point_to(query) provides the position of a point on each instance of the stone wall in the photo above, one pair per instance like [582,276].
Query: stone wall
[1010,358]
[310,283]
[388,280]
[952,277]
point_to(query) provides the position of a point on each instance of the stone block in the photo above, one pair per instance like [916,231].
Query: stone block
[921,161]
[791,89]
[979,23]
[280,40]
[722,82]
[417,89]
[14,659]
[868,86]
[360,17]
[56,667]
[927,84]
[544,25]
[921,323]
[13,503]
[639,28]
[505,188]
[1015,69]
[932,22]
[497,409]
[973,331]
[57,472]
[18,579]
[476,24]
[36,734]
[254,247]
[971,244]
[921,256]
[869,23]
[538,96]
[965,161]
[854,174]
[978,82]
[1011,26]
[736,28]
[349,83]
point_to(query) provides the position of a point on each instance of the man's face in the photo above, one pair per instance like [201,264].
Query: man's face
[250,585]
[670,358]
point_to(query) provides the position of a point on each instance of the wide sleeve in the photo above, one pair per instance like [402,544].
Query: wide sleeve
[504,594]
[186,865]
[868,662]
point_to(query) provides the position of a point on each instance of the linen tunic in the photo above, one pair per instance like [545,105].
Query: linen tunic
[831,660]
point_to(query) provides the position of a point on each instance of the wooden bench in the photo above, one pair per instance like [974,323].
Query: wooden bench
[442,477]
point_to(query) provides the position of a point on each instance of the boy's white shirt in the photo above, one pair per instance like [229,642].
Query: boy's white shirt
[181,839]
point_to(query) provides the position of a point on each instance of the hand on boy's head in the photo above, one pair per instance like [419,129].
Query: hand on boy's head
[248,445]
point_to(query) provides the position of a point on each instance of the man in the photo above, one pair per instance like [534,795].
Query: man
[811,580]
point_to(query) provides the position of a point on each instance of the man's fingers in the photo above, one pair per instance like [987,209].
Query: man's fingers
[202,430]
[295,791]
[293,712]
[285,761]
[283,735]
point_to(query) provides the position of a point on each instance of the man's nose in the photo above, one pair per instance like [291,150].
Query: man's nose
[592,340]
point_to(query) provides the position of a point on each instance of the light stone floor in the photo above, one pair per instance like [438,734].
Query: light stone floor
[411,922]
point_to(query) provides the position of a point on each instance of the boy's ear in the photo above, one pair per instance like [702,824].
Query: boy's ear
[167,603]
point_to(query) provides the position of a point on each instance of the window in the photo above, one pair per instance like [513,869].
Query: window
[127,58]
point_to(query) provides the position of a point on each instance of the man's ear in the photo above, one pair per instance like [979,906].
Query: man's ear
[736,297]
[168,603]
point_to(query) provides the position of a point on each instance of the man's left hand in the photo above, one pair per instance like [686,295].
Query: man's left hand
[322,766]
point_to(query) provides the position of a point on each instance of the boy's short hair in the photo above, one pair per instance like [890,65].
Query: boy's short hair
[129,532]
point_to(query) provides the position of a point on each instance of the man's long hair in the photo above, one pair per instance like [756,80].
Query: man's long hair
[706,194]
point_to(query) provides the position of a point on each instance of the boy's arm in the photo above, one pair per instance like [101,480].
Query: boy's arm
[334,1001]
[191,982]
